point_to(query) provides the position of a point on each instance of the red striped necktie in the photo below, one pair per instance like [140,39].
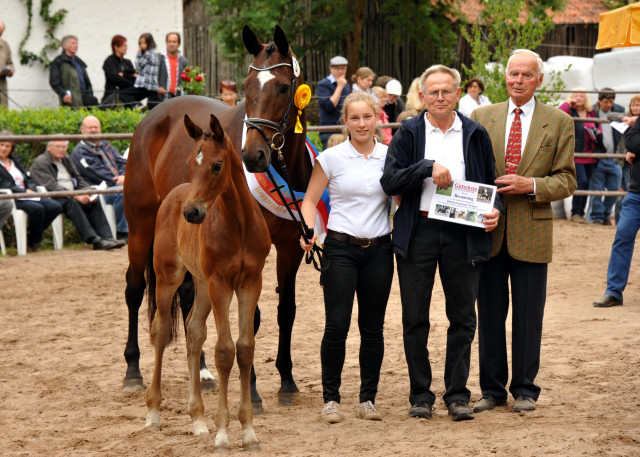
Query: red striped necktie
[514,145]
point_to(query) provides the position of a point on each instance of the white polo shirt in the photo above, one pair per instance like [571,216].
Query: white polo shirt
[446,149]
[359,206]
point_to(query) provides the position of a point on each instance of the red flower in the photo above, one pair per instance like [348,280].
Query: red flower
[187,69]
[188,79]
[183,76]
[198,78]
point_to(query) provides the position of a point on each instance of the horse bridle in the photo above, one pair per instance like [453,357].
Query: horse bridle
[257,123]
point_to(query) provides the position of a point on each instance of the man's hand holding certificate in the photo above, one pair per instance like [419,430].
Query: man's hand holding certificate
[465,202]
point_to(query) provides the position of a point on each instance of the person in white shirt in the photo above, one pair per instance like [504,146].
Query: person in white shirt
[358,253]
[473,98]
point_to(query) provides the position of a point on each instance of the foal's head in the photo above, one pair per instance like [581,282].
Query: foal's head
[269,88]
[209,168]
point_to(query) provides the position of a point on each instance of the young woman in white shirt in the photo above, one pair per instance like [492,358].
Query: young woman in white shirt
[358,252]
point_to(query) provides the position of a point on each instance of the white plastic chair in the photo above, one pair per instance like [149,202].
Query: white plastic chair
[110,213]
[20,223]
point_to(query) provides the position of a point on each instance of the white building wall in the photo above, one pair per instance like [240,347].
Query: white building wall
[94,22]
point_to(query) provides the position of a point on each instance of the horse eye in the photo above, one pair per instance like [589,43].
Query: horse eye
[216,167]
[284,89]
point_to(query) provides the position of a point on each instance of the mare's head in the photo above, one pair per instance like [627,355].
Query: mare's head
[209,168]
[270,86]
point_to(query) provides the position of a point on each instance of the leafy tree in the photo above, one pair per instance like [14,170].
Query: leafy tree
[503,26]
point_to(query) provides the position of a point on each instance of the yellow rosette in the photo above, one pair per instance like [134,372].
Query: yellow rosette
[301,100]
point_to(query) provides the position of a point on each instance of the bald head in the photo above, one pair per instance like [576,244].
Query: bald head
[90,126]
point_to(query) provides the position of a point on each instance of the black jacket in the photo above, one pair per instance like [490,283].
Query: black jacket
[114,65]
[44,172]
[7,181]
[632,140]
[406,168]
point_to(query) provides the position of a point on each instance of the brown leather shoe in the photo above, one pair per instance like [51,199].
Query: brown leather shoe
[524,403]
[487,403]
[607,301]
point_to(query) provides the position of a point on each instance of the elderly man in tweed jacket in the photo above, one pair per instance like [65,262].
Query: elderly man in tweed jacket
[533,170]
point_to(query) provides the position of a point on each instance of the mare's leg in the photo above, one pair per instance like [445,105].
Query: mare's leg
[247,293]
[220,296]
[186,291]
[256,400]
[288,262]
[140,239]
[170,274]
[196,329]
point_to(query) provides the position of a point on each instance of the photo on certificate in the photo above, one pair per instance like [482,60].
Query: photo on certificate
[462,202]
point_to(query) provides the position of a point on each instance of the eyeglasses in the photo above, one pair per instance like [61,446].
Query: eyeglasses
[434,94]
[527,76]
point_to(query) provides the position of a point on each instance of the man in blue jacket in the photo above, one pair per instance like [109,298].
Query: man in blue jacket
[430,150]
[331,93]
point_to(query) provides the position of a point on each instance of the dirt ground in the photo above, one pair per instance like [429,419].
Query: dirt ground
[64,326]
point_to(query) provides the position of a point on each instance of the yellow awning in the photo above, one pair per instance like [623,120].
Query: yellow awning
[620,27]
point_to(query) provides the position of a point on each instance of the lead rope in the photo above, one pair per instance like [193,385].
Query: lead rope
[305,231]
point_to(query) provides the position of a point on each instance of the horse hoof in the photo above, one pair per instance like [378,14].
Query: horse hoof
[252,447]
[152,428]
[132,385]
[257,408]
[286,398]
[208,385]
[200,431]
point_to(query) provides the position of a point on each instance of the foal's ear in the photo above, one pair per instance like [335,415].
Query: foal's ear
[251,41]
[280,39]
[216,129]
[193,130]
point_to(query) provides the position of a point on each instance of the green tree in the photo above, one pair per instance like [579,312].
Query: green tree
[503,26]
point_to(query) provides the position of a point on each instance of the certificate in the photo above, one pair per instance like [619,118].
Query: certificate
[462,202]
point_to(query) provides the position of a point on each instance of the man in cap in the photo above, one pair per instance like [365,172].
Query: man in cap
[331,93]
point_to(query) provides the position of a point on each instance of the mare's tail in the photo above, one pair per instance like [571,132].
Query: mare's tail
[151,297]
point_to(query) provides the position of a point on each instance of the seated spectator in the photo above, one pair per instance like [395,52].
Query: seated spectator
[55,171]
[148,65]
[578,104]
[630,119]
[120,75]
[362,80]
[68,76]
[381,95]
[414,104]
[228,92]
[473,98]
[99,161]
[5,211]
[41,211]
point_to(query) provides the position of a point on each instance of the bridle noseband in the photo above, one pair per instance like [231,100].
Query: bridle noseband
[257,123]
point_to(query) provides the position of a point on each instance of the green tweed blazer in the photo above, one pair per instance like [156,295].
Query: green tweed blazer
[548,157]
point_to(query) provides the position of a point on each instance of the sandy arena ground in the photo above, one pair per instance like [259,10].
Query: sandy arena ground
[64,326]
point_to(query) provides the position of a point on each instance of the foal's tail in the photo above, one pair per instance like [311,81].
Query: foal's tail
[151,297]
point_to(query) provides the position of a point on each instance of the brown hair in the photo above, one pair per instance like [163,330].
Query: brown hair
[7,133]
[470,83]
[634,99]
[116,42]
[148,38]
[362,72]
[229,85]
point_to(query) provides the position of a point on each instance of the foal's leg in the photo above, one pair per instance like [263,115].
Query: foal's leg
[196,329]
[167,284]
[248,293]
[220,296]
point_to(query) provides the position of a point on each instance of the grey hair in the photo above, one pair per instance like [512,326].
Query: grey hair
[455,74]
[66,38]
[518,52]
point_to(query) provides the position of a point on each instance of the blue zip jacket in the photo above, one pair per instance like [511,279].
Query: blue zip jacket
[406,168]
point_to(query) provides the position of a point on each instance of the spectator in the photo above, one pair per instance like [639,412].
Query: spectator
[629,119]
[414,104]
[120,75]
[607,174]
[68,76]
[430,150]
[473,97]
[148,64]
[358,255]
[55,171]
[336,139]
[381,81]
[362,80]
[331,93]
[394,105]
[5,211]
[381,95]
[627,229]
[533,145]
[578,104]
[172,64]
[99,161]
[41,211]
[6,68]
[228,92]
